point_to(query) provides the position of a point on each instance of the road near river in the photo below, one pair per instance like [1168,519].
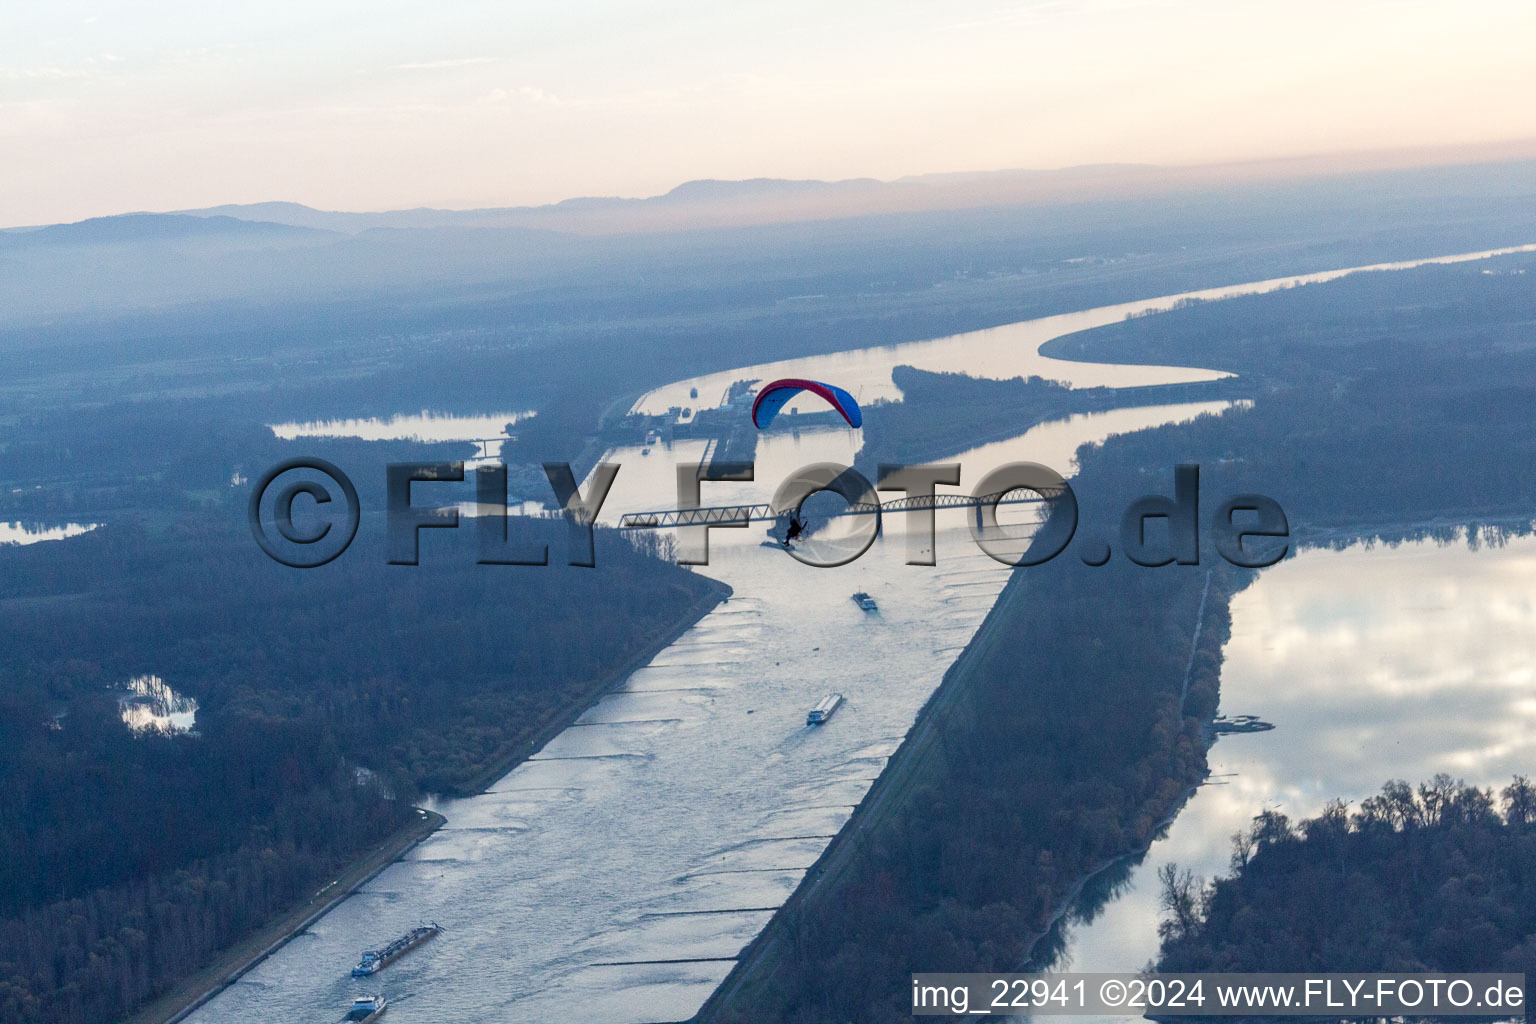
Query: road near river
[614,877]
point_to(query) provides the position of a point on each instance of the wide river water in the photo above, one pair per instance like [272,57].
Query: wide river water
[615,876]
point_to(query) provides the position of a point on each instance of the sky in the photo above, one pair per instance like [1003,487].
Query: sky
[109,107]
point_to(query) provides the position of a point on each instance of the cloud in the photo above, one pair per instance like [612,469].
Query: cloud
[47,74]
[1033,12]
[434,65]
[529,93]
[536,97]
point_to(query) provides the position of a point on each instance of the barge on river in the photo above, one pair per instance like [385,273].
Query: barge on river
[375,960]
[825,710]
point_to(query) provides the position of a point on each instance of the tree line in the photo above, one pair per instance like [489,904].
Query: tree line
[1433,877]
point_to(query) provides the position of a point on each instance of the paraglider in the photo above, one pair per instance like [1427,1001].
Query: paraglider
[773,397]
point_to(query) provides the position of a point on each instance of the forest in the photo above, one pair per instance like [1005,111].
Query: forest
[978,410]
[1433,877]
[328,700]
[1385,403]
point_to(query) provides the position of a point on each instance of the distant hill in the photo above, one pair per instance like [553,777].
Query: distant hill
[290,214]
[693,204]
[710,202]
[921,230]
[715,190]
[160,227]
[713,203]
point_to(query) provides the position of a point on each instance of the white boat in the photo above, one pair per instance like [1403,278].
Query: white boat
[825,710]
[366,1008]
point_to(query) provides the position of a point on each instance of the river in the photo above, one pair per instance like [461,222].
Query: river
[615,876]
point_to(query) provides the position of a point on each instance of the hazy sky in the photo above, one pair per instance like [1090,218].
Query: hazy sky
[106,107]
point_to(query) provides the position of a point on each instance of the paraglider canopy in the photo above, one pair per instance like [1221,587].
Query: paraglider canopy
[773,397]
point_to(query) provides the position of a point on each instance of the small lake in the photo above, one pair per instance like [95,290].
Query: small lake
[33,533]
[148,704]
[420,426]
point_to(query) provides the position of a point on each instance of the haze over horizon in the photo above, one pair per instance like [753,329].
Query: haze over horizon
[959,187]
[106,109]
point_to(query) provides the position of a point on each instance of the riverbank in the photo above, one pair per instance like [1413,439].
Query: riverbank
[198,989]
[235,962]
[758,961]
[558,719]
[1322,643]
[1035,740]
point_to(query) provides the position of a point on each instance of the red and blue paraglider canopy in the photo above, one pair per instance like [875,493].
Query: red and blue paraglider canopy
[773,397]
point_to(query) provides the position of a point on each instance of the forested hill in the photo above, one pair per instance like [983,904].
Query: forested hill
[131,858]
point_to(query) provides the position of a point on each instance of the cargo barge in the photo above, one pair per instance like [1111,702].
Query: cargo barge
[375,960]
[825,710]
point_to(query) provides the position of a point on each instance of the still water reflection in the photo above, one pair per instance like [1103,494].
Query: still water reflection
[149,705]
[421,426]
[30,533]
[1373,663]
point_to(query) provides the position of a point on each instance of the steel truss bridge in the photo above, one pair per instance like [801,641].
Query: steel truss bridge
[725,515]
